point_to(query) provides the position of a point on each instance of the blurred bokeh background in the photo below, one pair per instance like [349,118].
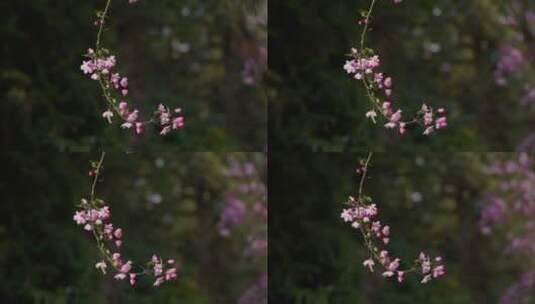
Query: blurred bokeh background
[476,210]
[206,210]
[205,56]
[475,58]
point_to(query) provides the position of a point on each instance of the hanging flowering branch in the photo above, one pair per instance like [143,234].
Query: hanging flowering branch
[100,65]
[95,216]
[362,214]
[363,67]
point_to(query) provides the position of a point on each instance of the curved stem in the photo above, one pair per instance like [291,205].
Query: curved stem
[102,20]
[363,176]
[366,22]
[95,179]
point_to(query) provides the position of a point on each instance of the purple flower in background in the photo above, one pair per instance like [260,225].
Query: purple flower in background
[254,66]
[232,215]
[256,293]
[521,291]
[511,60]
[510,211]
[492,214]
[528,97]
[243,221]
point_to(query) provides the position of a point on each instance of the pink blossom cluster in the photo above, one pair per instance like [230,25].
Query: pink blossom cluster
[160,271]
[95,217]
[363,216]
[100,67]
[363,68]
[433,120]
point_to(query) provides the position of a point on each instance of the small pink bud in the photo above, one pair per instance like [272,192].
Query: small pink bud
[118,233]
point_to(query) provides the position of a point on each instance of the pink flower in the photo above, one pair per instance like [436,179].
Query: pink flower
[402,129]
[386,230]
[132,117]
[88,67]
[371,114]
[383,255]
[429,130]
[394,265]
[438,271]
[158,269]
[441,123]
[165,130]
[118,233]
[347,215]
[388,82]
[132,278]
[426,263]
[108,115]
[158,281]
[124,82]
[369,263]
[350,67]
[123,108]
[170,274]
[126,267]
[387,274]
[396,116]
[390,125]
[139,128]
[79,217]
[178,122]
[426,279]
[401,276]
[102,266]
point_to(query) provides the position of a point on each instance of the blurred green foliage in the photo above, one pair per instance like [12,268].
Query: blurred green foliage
[187,54]
[432,202]
[439,52]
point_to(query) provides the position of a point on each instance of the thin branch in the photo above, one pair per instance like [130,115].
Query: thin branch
[95,178]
